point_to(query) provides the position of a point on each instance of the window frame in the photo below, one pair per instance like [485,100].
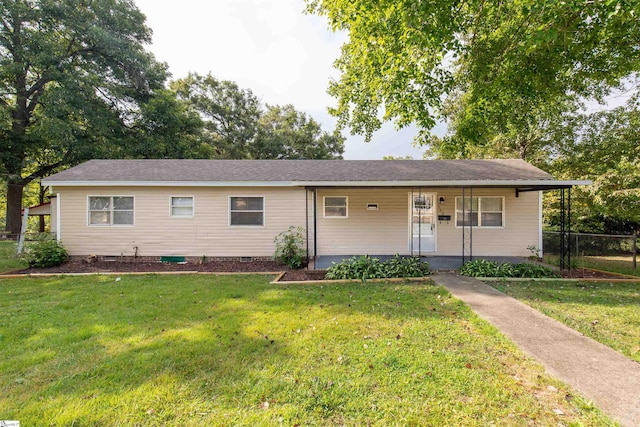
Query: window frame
[480,211]
[171,206]
[263,210]
[111,210]
[346,207]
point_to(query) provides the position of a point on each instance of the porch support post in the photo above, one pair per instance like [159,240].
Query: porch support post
[471,227]
[562,242]
[315,225]
[411,223]
[467,229]
[464,230]
[569,228]
[306,221]
[419,222]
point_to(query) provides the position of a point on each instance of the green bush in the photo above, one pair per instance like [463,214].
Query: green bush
[46,253]
[400,266]
[533,271]
[289,247]
[479,268]
[366,267]
[486,268]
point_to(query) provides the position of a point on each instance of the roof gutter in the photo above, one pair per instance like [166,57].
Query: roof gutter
[534,184]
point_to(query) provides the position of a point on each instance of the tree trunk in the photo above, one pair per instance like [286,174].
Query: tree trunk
[14,206]
[43,191]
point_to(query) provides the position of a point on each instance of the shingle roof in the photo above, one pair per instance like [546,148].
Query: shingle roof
[298,171]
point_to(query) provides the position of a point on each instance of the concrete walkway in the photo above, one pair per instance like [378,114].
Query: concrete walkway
[599,373]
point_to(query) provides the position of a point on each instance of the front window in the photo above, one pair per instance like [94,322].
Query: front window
[182,207]
[248,211]
[480,211]
[335,207]
[111,210]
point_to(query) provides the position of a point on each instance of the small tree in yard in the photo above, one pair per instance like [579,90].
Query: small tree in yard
[289,247]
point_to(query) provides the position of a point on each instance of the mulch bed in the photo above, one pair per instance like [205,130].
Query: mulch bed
[81,266]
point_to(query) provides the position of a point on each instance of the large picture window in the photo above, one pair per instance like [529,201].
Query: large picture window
[111,210]
[335,207]
[182,207]
[480,212]
[246,211]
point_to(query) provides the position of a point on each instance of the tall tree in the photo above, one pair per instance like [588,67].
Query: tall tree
[604,147]
[237,126]
[167,128]
[403,58]
[72,74]
[285,133]
[230,114]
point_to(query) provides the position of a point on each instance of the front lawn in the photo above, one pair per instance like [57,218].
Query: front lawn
[8,259]
[621,264]
[607,312]
[235,350]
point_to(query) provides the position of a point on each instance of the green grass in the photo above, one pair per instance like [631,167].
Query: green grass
[236,350]
[616,264]
[8,259]
[607,312]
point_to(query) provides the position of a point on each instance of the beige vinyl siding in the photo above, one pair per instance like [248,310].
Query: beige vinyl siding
[156,233]
[386,231]
[521,225]
[374,232]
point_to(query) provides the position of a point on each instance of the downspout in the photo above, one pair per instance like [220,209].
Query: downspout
[58,228]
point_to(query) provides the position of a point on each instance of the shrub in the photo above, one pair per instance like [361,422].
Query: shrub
[486,268]
[400,266]
[289,247]
[479,268]
[366,267]
[46,252]
[361,268]
[533,271]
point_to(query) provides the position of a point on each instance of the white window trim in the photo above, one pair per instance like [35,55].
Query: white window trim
[88,211]
[324,207]
[193,207]
[264,212]
[479,211]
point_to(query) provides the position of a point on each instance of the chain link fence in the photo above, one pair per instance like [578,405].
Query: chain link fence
[588,248]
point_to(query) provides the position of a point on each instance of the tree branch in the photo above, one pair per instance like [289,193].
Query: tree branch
[43,171]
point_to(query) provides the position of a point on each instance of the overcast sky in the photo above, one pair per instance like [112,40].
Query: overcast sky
[269,46]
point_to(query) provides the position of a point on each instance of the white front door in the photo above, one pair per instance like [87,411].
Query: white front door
[423,226]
